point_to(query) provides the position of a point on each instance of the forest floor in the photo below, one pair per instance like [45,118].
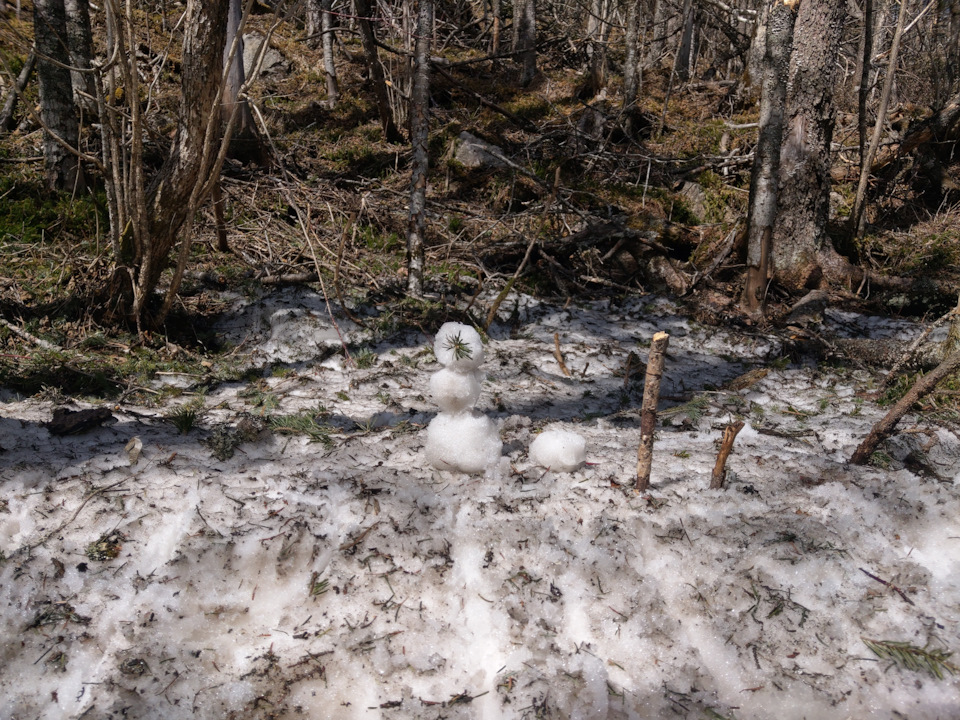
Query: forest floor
[292,555]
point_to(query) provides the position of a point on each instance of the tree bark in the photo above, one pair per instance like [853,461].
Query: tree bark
[527,28]
[329,67]
[800,234]
[751,82]
[596,50]
[245,131]
[80,42]
[866,65]
[57,109]
[377,80]
[719,475]
[169,193]
[648,409]
[661,27]
[419,131]
[314,24]
[685,60]
[764,176]
[630,83]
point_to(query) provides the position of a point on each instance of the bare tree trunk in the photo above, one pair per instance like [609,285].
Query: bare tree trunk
[57,109]
[630,84]
[857,216]
[80,42]
[800,235]
[751,82]
[189,163]
[390,131]
[661,23]
[866,65]
[685,60]
[495,30]
[232,102]
[419,130]
[314,24]
[527,28]
[594,44]
[765,175]
[329,67]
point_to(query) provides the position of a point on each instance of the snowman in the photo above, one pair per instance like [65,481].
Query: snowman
[460,438]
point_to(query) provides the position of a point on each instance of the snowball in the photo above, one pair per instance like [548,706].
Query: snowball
[559,450]
[454,391]
[468,442]
[458,347]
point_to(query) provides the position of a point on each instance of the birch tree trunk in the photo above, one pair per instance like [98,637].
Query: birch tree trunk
[801,228]
[419,131]
[527,28]
[57,109]
[764,177]
[630,84]
[329,67]
[314,23]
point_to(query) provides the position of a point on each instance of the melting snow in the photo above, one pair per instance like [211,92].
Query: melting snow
[353,580]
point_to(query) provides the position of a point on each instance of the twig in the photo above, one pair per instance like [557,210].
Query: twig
[726,446]
[889,585]
[558,355]
[87,498]
[358,539]
[648,409]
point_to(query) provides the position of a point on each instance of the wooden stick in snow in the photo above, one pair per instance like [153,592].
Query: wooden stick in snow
[920,389]
[726,446]
[648,409]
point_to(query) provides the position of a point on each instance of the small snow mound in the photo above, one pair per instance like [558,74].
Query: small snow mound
[458,347]
[468,442]
[559,450]
[454,391]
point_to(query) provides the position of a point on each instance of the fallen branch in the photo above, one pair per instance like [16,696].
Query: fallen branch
[40,342]
[648,409]
[920,389]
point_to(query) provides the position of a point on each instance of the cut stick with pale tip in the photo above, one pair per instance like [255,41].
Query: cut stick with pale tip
[648,409]
[726,446]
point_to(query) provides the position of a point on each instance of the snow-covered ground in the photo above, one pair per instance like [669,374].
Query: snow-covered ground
[352,580]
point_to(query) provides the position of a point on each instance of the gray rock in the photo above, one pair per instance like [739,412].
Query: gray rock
[476,153]
[274,63]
